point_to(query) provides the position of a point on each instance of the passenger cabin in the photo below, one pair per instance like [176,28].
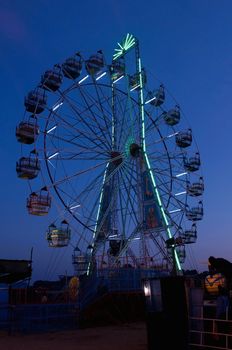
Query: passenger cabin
[117,69]
[157,98]
[27,132]
[193,163]
[196,188]
[72,66]
[39,203]
[190,236]
[80,261]
[28,167]
[194,213]
[180,250]
[36,101]
[181,253]
[115,246]
[51,80]
[134,80]
[184,138]
[95,63]
[59,237]
[172,117]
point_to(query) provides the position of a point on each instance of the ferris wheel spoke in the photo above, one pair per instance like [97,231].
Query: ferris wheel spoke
[132,181]
[67,154]
[84,149]
[92,137]
[161,247]
[101,101]
[103,116]
[94,132]
[161,157]
[84,120]
[127,210]
[158,112]
[84,197]
[165,138]
[84,108]
[126,125]
[104,111]
[107,126]
[174,201]
[94,185]
[131,196]
[151,123]
[129,239]
[122,217]
[82,172]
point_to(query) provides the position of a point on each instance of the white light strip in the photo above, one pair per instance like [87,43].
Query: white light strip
[135,87]
[112,236]
[57,106]
[83,79]
[53,155]
[182,174]
[118,79]
[102,75]
[178,194]
[174,211]
[175,133]
[135,239]
[53,128]
[151,99]
[75,206]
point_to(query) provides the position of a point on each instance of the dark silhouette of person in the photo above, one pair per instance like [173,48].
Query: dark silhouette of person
[222,307]
[222,303]
[223,266]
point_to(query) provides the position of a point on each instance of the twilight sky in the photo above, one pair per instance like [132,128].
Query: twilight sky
[185,43]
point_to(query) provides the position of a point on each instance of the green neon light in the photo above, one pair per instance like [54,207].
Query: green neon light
[98,212]
[113,119]
[149,166]
[127,43]
[130,140]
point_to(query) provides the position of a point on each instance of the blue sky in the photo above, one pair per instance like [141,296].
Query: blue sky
[186,44]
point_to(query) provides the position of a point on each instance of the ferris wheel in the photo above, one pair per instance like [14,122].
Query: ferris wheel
[110,143]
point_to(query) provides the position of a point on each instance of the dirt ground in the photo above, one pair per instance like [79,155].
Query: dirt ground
[131,336]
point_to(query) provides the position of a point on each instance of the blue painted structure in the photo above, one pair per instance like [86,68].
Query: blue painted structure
[32,318]
[114,280]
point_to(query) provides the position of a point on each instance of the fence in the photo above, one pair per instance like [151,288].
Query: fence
[38,318]
[210,333]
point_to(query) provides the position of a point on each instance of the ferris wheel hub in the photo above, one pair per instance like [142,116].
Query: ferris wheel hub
[116,158]
[135,150]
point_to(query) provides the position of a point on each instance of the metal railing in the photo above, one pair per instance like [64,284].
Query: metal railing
[34,318]
[210,333]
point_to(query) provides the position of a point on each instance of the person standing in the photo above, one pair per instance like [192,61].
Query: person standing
[222,303]
[223,266]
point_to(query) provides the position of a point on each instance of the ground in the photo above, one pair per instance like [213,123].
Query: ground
[121,337]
